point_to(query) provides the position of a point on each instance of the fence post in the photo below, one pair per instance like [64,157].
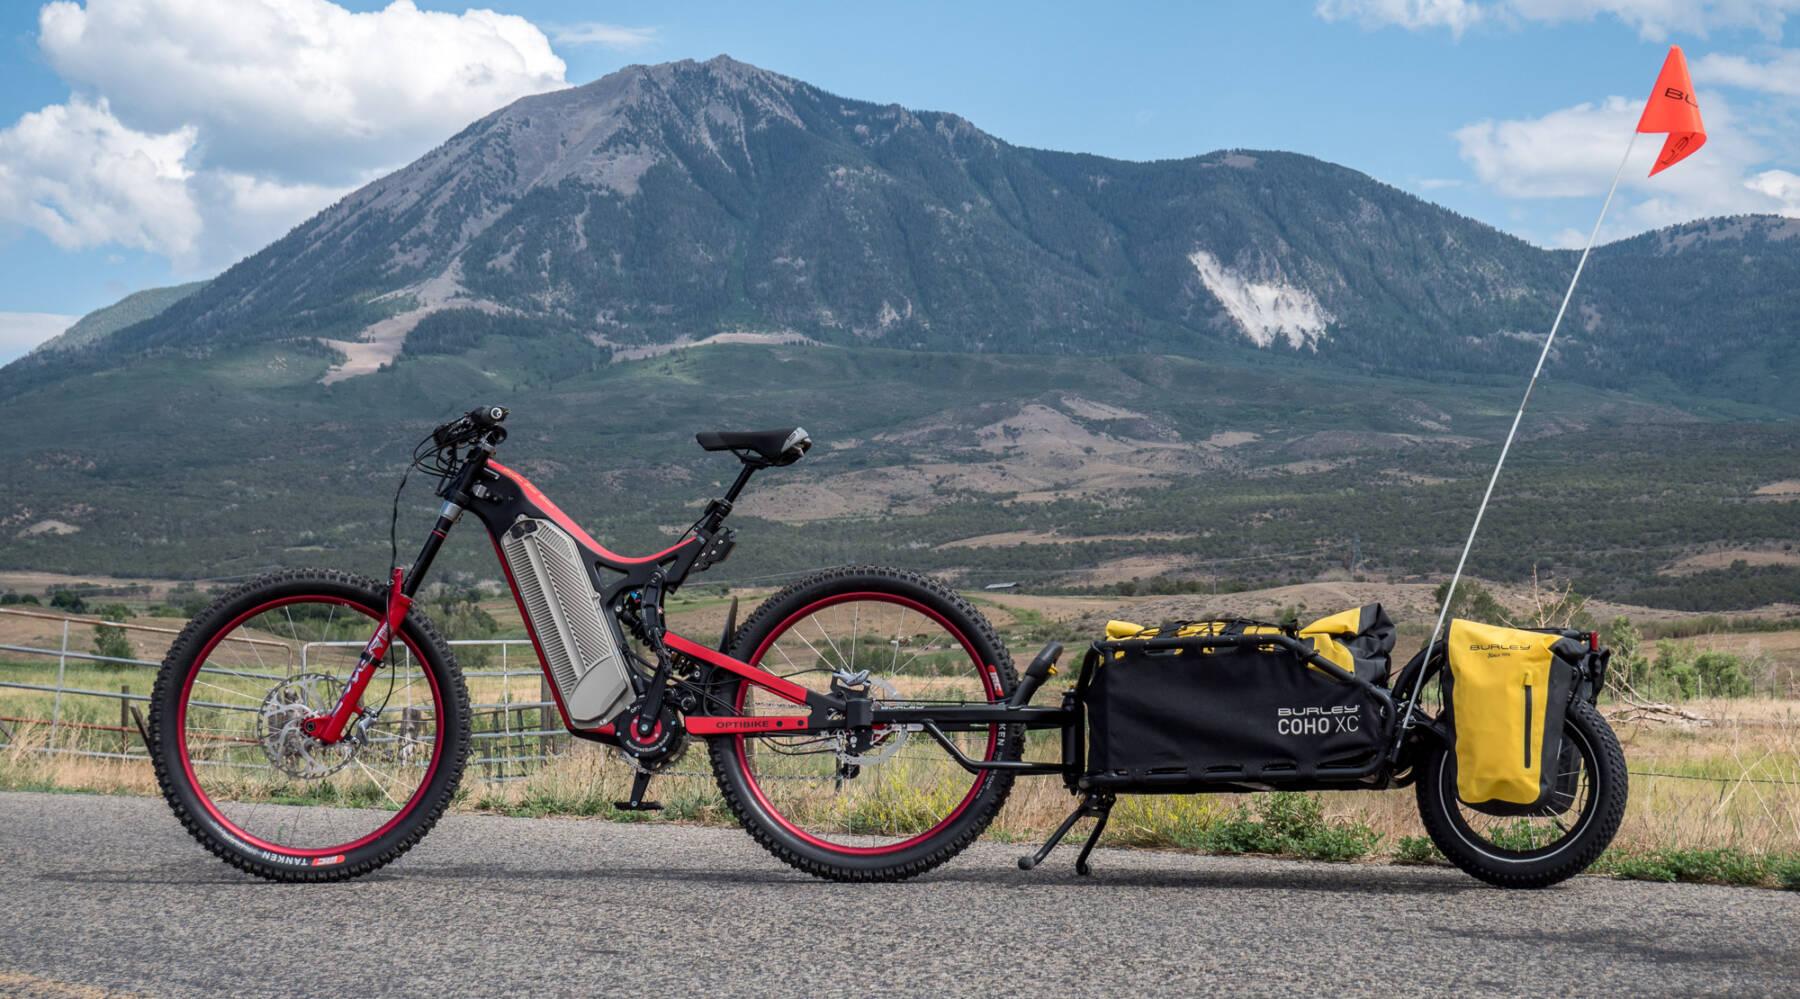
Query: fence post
[546,743]
[505,712]
[62,663]
[124,718]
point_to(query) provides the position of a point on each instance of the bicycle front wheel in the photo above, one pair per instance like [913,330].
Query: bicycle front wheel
[901,805]
[240,772]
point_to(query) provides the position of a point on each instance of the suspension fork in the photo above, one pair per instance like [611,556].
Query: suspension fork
[329,728]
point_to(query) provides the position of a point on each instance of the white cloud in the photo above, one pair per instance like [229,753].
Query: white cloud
[1781,185]
[1565,153]
[76,174]
[21,331]
[612,36]
[302,89]
[1573,152]
[1779,74]
[1655,20]
[203,129]
[1415,15]
[245,212]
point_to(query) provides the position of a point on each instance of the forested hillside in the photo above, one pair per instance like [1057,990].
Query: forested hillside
[679,201]
[1021,366]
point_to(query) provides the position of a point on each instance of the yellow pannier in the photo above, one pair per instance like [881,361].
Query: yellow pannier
[1507,691]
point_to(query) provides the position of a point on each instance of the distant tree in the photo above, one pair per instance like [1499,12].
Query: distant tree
[68,600]
[189,600]
[1475,603]
[109,640]
[1627,645]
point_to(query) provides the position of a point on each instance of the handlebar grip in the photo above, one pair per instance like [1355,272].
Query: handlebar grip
[1042,668]
[487,416]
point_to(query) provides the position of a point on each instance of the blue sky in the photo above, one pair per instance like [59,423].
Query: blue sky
[119,171]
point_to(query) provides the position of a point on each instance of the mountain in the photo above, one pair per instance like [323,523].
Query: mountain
[688,199]
[1243,367]
[128,311]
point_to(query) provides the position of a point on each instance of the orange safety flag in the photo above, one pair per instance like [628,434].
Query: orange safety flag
[1673,109]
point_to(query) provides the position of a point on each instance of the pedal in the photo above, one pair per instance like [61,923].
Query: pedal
[640,782]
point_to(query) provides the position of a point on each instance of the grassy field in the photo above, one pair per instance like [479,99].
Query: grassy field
[1714,801]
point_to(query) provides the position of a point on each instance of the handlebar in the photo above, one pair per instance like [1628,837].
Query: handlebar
[470,426]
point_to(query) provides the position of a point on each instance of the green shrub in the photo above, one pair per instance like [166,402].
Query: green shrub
[189,599]
[1285,822]
[1291,814]
[1724,866]
[1679,670]
[112,643]
[1338,843]
[1722,674]
[1786,871]
[1417,850]
[1474,602]
[1239,833]
[1638,867]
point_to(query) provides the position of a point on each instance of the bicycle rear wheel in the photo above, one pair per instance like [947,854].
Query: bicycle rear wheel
[902,805]
[246,781]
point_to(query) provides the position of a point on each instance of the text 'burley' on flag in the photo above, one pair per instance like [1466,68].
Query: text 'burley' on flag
[1672,108]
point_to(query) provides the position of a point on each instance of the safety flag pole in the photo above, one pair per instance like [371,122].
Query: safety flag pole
[1672,108]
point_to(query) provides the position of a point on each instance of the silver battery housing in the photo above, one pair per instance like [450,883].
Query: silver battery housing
[579,642]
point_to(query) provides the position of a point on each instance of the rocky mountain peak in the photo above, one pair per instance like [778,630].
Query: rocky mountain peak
[677,202]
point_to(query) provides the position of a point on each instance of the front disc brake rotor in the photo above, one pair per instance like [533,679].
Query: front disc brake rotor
[279,727]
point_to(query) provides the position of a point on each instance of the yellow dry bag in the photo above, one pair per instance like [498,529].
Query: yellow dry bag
[1508,691]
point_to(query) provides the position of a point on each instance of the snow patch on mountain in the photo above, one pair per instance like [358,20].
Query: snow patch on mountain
[1264,310]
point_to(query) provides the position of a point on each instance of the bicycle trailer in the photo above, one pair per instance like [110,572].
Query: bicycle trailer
[1238,705]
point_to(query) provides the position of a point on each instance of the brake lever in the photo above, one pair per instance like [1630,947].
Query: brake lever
[450,434]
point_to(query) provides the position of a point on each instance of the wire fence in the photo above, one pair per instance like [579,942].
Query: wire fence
[512,736]
[515,729]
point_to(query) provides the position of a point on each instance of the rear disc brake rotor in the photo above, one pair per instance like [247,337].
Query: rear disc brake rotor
[887,742]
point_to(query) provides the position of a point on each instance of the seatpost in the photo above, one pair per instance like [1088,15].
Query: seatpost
[718,509]
[743,479]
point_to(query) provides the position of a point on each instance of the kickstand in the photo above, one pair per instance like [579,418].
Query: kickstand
[143,729]
[640,782]
[1097,805]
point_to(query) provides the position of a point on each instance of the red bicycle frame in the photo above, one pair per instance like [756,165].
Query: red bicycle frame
[631,591]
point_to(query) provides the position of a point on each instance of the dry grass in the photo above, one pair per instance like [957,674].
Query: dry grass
[1749,739]
[1731,785]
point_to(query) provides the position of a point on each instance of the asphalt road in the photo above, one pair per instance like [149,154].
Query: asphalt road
[108,894]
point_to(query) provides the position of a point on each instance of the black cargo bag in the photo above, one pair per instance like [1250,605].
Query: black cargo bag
[1166,713]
